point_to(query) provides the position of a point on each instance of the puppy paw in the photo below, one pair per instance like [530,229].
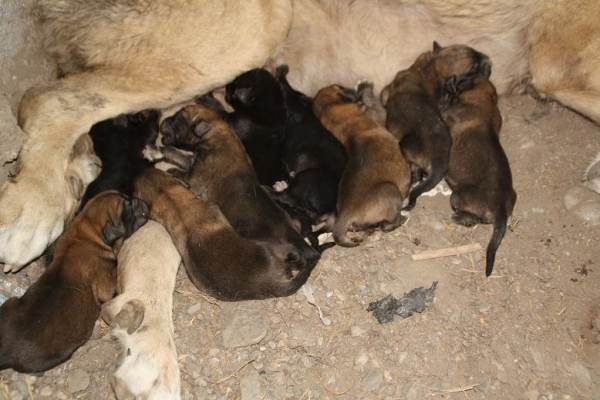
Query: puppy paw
[280,186]
[152,153]
[363,84]
[32,216]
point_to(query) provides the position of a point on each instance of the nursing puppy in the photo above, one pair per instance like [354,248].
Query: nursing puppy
[222,173]
[119,143]
[140,317]
[314,158]
[413,115]
[478,173]
[56,315]
[377,177]
[259,121]
[218,260]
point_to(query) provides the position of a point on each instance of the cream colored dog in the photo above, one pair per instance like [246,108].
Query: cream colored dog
[114,65]
[141,316]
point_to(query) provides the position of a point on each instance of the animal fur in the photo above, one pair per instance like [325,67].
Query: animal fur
[140,317]
[413,116]
[377,177]
[205,239]
[56,315]
[119,57]
[478,172]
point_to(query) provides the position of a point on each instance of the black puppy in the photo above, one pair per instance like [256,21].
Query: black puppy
[258,121]
[119,143]
[314,158]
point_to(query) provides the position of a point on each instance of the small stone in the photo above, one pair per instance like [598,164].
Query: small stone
[245,328]
[356,331]
[485,384]
[250,387]
[78,381]
[531,395]
[20,387]
[46,391]
[402,357]
[194,309]
[372,380]
[361,358]
[579,371]
[502,376]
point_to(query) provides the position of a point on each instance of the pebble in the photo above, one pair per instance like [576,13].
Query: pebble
[46,391]
[372,380]
[579,371]
[21,388]
[245,328]
[250,387]
[79,380]
[194,309]
[531,395]
[356,331]
[361,358]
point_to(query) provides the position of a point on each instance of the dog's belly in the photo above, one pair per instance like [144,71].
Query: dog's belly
[336,41]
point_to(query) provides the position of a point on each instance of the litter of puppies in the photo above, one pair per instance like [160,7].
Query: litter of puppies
[350,163]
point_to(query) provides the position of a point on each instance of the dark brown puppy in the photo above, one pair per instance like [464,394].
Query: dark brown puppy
[478,172]
[222,173]
[413,116]
[56,315]
[218,260]
[377,177]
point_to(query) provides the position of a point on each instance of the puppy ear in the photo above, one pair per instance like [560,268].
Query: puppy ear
[385,95]
[200,128]
[134,216]
[111,233]
[436,47]
[281,72]
[464,84]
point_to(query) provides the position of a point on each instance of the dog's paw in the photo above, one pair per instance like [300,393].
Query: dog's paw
[32,216]
[363,84]
[130,317]
[280,186]
[152,153]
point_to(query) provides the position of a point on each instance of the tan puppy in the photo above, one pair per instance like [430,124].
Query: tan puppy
[413,116]
[222,173]
[205,240]
[123,56]
[57,313]
[478,173]
[377,177]
[141,318]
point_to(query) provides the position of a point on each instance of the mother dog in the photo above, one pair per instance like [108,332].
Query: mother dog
[121,56]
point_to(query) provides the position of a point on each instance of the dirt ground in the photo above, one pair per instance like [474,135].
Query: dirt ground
[530,331]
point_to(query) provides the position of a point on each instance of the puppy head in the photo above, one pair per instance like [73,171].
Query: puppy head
[187,127]
[254,89]
[115,216]
[459,60]
[335,101]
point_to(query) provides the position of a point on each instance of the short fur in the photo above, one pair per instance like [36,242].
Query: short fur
[205,240]
[121,56]
[478,173]
[56,315]
[413,116]
[377,177]
[140,317]
[119,143]
[315,160]
[221,173]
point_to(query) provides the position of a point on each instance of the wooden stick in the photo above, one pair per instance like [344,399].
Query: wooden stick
[448,251]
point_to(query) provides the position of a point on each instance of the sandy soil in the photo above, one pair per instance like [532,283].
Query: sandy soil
[530,331]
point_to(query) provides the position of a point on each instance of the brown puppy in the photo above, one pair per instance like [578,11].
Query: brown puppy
[377,177]
[222,173]
[478,172]
[57,313]
[413,116]
[218,260]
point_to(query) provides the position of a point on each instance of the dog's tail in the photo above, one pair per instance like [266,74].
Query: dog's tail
[500,220]
[433,178]
[340,230]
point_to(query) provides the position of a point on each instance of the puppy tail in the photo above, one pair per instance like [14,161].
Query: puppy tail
[340,228]
[436,175]
[500,221]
